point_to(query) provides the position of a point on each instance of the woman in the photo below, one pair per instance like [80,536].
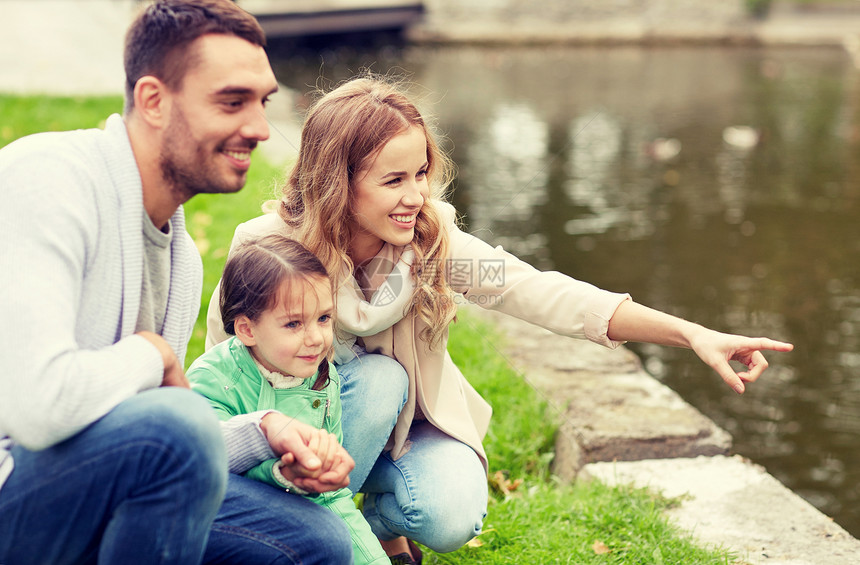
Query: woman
[366,197]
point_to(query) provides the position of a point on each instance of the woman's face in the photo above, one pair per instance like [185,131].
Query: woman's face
[388,195]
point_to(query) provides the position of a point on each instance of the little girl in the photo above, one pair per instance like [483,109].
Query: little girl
[276,302]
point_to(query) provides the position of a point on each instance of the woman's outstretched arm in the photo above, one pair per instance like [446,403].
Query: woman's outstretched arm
[635,322]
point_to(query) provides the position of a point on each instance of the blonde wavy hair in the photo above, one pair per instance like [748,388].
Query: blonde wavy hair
[344,131]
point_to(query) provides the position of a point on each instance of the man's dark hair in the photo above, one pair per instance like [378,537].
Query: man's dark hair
[157,41]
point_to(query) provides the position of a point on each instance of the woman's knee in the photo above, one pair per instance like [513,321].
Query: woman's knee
[443,523]
[453,538]
[374,385]
[435,494]
[452,521]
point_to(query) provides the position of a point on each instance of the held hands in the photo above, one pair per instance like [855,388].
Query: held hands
[717,349]
[311,458]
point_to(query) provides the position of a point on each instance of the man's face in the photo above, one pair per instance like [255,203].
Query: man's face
[216,117]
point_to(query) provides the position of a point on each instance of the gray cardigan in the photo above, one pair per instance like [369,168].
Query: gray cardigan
[71,211]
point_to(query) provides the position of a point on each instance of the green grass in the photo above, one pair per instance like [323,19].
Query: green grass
[532,518]
[23,115]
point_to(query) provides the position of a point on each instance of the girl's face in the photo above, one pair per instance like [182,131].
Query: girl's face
[388,195]
[295,335]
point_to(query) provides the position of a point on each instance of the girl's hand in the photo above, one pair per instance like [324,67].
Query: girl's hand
[717,349]
[332,474]
[329,450]
[311,458]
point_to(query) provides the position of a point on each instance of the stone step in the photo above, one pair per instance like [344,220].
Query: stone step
[735,504]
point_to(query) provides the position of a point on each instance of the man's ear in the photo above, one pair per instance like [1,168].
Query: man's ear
[152,100]
[244,331]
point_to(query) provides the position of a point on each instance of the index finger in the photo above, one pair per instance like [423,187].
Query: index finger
[323,449]
[773,345]
[305,456]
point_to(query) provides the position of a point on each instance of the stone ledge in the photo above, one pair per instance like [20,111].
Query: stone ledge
[611,32]
[733,503]
[785,30]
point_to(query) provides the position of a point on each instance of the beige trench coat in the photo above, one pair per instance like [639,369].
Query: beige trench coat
[484,275]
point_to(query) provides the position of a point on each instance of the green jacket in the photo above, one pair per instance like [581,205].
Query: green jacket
[229,378]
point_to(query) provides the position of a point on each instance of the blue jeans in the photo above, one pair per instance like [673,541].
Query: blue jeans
[373,391]
[143,485]
[259,524]
[140,485]
[435,494]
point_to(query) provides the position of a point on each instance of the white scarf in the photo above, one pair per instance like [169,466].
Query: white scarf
[278,380]
[358,317]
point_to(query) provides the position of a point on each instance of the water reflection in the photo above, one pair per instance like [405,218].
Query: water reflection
[508,156]
[558,162]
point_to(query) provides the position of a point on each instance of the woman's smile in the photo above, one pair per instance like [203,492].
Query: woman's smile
[389,194]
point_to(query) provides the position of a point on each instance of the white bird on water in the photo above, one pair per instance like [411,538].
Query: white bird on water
[742,137]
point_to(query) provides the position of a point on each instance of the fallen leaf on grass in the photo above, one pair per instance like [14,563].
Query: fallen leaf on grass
[600,548]
[503,484]
[475,542]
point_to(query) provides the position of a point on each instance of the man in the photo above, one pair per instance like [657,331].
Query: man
[105,454]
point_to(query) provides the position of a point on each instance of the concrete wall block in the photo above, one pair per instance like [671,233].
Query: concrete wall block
[584,11]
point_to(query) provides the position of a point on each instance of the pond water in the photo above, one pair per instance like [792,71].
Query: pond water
[558,162]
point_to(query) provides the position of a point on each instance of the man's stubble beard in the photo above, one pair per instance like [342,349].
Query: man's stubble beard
[186,180]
